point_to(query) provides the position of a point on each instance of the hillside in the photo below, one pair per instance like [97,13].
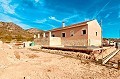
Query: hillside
[10,31]
[34,31]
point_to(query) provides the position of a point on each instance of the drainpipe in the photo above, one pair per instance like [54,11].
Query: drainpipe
[101,33]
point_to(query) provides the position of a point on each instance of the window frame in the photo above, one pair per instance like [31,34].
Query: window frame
[53,35]
[96,33]
[83,31]
[72,33]
[62,34]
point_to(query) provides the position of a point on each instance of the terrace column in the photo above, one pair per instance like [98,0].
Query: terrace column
[38,35]
[34,36]
[43,34]
[49,33]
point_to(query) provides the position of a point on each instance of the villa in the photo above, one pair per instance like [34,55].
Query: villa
[86,33]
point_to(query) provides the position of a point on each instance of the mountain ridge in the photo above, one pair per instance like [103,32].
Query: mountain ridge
[10,31]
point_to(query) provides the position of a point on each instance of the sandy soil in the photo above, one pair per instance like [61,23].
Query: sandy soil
[27,64]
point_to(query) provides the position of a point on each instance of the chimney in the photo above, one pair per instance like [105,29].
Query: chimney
[63,24]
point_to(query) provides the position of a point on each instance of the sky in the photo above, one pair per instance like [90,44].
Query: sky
[49,14]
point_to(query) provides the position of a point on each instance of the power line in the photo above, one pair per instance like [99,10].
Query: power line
[102,9]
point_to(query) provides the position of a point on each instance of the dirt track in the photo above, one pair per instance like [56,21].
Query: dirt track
[27,64]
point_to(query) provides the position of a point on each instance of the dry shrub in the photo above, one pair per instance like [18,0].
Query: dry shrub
[32,55]
[17,55]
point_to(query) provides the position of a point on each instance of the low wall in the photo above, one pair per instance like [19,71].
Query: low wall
[58,41]
[77,55]
[80,42]
[42,41]
[55,41]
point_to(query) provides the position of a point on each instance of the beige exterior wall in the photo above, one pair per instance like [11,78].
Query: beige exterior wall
[78,38]
[94,39]
[77,33]
[55,41]
[77,42]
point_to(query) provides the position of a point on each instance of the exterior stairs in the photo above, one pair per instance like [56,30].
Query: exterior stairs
[108,57]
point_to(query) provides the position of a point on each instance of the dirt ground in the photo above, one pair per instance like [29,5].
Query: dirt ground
[27,64]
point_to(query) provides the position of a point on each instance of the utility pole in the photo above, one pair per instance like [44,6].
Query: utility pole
[101,31]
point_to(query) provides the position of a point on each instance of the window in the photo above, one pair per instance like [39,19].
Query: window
[83,32]
[96,33]
[71,33]
[63,35]
[53,35]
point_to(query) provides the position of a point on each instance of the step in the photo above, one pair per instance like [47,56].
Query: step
[108,57]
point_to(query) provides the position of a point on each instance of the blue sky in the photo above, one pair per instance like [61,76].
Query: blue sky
[49,14]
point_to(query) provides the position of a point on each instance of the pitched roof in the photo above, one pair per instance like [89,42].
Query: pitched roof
[71,26]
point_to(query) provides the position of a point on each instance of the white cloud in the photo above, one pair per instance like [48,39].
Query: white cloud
[24,26]
[5,4]
[6,18]
[41,2]
[36,1]
[119,12]
[41,21]
[111,24]
[107,15]
[51,17]
[70,17]
[87,19]
[52,26]
[5,1]
[54,18]
[102,9]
